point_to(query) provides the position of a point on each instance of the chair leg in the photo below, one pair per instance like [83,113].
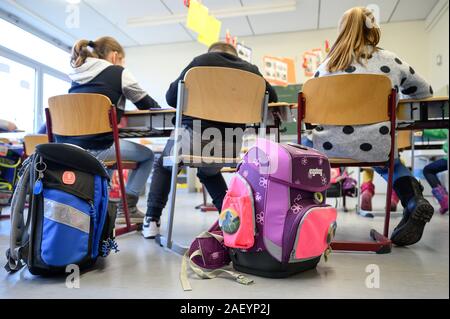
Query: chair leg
[389,191]
[205,206]
[344,203]
[3,216]
[167,241]
[123,196]
[358,198]
[128,227]
[382,244]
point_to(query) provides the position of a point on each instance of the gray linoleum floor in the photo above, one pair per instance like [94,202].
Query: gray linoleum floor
[144,270]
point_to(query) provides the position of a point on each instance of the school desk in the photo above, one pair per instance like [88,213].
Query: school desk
[429,113]
[158,122]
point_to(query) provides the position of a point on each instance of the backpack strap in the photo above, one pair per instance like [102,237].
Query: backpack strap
[204,273]
[19,241]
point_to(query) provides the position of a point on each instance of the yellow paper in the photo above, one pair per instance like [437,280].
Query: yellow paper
[211,32]
[197,18]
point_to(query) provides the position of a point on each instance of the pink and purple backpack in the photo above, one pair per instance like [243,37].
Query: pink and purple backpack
[274,218]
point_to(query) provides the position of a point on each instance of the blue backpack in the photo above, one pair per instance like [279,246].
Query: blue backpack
[69,221]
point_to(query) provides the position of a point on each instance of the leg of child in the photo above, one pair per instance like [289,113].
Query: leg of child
[439,192]
[417,210]
[367,189]
[214,183]
[144,157]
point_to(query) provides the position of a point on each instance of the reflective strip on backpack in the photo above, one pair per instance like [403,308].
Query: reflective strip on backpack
[67,215]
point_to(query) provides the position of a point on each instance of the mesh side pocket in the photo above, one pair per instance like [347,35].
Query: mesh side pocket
[237,219]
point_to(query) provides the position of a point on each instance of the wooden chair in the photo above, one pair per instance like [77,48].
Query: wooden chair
[404,140]
[216,94]
[354,99]
[88,114]
[31,141]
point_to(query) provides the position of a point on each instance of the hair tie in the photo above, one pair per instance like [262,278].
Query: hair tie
[91,44]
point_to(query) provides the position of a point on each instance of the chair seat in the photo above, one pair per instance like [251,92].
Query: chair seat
[201,161]
[125,164]
[336,162]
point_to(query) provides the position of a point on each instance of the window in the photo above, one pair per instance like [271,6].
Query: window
[29,45]
[18,87]
[52,86]
[31,71]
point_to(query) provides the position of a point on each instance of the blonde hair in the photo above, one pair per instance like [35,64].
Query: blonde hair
[358,37]
[99,49]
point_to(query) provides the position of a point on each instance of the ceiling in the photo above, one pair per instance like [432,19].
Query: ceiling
[101,17]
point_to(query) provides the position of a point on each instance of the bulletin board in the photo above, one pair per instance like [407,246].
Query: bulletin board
[279,71]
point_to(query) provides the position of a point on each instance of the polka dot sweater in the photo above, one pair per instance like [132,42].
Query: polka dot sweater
[369,142]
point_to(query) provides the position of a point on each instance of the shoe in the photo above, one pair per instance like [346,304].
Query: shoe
[394,201]
[417,212]
[440,193]
[136,216]
[151,228]
[367,193]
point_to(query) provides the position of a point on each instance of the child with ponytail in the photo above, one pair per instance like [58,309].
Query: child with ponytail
[356,51]
[98,67]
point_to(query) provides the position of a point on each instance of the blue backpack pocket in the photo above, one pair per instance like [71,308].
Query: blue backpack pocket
[67,228]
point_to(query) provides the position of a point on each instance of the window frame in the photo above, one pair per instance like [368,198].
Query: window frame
[40,69]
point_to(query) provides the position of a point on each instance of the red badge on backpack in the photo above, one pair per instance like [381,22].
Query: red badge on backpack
[69,178]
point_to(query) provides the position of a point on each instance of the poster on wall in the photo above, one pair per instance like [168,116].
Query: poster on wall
[311,61]
[279,71]
[244,52]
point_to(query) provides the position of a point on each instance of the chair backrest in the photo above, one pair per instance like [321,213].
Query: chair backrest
[224,95]
[350,99]
[80,114]
[32,140]
[404,139]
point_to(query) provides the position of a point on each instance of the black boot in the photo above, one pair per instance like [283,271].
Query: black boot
[417,212]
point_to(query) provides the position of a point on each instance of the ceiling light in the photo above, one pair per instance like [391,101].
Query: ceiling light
[286,6]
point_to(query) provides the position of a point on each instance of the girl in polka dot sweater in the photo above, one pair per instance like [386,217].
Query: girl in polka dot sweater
[355,51]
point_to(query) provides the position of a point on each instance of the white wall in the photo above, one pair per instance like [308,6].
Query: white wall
[438,37]
[157,66]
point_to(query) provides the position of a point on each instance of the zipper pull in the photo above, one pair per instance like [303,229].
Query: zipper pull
[40,168]
[93,215]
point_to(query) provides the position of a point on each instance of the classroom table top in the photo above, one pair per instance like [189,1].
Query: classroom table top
[408,101]
[168,110]
[428,99]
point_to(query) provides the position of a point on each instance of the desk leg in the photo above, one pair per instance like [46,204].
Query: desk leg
[277,123]
[412,152]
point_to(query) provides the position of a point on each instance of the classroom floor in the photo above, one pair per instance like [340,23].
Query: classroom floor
[144,270]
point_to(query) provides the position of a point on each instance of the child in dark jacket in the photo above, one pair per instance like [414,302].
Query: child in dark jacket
[219,55]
